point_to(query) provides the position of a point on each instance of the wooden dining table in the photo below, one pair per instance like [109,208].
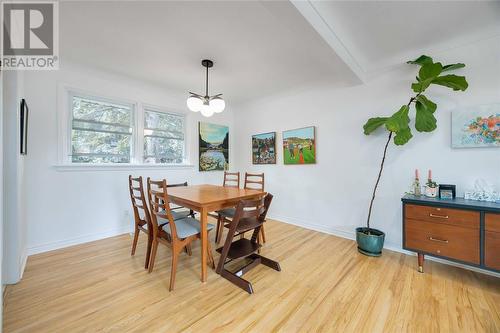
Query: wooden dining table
[205,199]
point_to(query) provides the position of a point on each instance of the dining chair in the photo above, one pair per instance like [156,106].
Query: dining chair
[253,181]
[231,179]
[179,212]
[176,234]
[250,215]
[142,217]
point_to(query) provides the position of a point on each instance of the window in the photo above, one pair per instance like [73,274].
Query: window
[101,131]
[163,137]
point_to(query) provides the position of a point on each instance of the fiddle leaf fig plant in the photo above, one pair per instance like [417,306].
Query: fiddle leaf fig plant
[398,124]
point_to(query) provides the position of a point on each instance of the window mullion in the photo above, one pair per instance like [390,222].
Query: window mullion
[139,137]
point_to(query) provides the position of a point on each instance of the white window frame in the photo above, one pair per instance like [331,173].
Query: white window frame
[152,108]
[133,122]
[65,120]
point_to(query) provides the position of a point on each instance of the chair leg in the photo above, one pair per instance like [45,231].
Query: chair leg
[148,251]
[220,228]
[263,234]
[187,248]
[217,230]
[211,261]
[134,242]
[154,249]
[173,270]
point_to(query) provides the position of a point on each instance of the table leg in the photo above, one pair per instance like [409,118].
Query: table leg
[204,243]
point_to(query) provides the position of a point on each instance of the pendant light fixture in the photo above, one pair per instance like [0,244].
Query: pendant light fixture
[207,105]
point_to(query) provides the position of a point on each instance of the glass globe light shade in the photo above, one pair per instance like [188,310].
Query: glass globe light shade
[206,110]
[194,103]
[217,104]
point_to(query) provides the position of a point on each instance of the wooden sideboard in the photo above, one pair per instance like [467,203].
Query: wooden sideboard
[465,231]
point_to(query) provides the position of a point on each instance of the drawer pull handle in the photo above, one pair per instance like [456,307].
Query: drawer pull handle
[439,216]
[438,240]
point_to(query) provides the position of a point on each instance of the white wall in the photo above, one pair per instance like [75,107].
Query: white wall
[70,207]
[14,232]
[333,195]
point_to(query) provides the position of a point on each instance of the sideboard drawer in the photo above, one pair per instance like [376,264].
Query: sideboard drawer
[492,250]
[455,217]
[492,222]
[455,242]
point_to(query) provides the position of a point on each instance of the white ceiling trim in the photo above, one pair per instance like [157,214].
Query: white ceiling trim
[310,13]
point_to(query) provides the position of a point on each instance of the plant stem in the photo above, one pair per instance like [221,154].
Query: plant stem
[382,168]
[378,179]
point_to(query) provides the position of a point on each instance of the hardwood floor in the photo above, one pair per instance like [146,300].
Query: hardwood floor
[324,285]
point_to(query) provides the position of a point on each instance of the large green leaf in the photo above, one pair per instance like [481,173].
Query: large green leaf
[422,60]
[403,136]
[430,71]
[421,85]
[416,87]
[398,120]
[451,67]
[373,123]
[425,120]
[427,103]
[451,81]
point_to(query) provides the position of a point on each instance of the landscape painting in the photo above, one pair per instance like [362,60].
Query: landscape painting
[213,147]
[299,146]
[264,148]
[477,126]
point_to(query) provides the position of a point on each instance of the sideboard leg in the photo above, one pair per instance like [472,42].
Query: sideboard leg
[420,262]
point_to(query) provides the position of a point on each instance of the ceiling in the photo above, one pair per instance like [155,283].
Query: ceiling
[259,48]
[375,35]
[264,47]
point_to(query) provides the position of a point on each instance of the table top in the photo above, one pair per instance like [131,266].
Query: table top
[457,203]
[210,194]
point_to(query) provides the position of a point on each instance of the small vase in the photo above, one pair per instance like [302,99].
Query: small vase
[431,192]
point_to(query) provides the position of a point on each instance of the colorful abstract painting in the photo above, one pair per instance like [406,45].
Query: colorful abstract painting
[213,147]
[264,148]
[477,126]
[299,146]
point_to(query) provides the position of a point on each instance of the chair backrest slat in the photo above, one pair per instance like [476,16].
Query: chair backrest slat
[231,179]
[139,203]
[254,181]
[178,185]
[160,207]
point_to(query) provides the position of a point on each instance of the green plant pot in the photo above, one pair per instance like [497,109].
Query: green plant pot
[370,244]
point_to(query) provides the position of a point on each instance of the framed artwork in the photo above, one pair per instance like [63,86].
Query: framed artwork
[299,146]
[447,191]
[213,147]
[475,127]
[264,148]
[24,127]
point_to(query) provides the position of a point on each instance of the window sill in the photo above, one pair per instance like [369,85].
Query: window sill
[118,167]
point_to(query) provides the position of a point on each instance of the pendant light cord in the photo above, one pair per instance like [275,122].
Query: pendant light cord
[206,85]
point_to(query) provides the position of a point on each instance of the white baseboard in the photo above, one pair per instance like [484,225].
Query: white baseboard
[77,240]
[388,246]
